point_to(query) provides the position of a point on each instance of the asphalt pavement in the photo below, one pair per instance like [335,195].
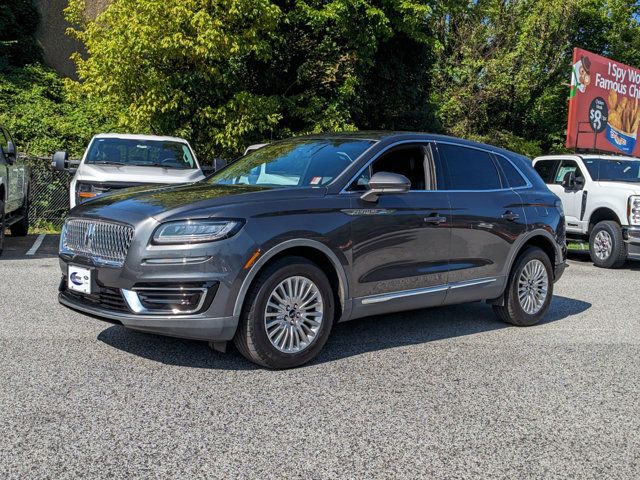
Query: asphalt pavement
[448,393]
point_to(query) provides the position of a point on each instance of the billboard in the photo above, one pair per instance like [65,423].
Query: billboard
[604,105]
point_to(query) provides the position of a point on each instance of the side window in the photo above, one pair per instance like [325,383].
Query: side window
[468,169]
[407,160]
[514,178]
[4,141]
[547,169]
[565,167]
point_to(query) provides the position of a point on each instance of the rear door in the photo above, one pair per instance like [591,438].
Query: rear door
[487,218]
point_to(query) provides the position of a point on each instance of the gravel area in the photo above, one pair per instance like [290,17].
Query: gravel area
[442,393]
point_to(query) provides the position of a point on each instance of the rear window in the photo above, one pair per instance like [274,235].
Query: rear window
[142,153]
[469,169]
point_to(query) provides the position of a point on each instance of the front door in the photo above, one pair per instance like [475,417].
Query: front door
[552,172]
[401,244]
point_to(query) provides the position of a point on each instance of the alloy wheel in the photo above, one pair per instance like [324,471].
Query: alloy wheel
[533,286]
[294,314]
[603,245]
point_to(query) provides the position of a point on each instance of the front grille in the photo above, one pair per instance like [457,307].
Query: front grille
[105,242]
[104,297]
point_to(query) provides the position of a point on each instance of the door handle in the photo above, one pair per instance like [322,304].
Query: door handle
[509,216]
[435,219]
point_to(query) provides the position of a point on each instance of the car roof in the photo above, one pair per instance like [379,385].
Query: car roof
[586,156]
[131,136]
[393,136]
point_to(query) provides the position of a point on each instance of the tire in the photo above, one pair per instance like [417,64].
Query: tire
[606,245]
[2,226]
[513,311]
[21,228]
[252,339]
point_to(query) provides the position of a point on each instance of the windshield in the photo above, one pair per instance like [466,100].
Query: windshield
[144,153]
[608,169]
[293,163]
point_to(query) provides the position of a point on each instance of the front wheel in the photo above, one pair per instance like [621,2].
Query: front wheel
[287,316]
[606,245]
[529,290]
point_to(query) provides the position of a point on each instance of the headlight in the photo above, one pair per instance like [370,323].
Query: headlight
[633,210]
[87,191]
[195,231]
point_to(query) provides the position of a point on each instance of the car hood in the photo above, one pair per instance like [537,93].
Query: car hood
[629,187]
[200,199]
[136,174]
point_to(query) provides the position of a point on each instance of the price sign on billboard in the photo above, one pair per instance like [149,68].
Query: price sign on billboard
[604,104]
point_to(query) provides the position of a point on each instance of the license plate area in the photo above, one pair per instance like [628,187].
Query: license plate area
[79,279]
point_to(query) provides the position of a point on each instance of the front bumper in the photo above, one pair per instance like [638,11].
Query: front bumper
[197,327]
[631,237]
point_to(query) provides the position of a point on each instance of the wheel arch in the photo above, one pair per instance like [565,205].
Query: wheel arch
[537,238]
[315,251]
[601,214]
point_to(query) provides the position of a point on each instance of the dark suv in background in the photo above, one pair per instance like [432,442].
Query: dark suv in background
[275,248]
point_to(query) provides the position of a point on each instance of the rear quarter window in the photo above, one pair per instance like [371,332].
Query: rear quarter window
[513,176]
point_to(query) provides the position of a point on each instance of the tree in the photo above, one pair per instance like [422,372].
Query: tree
[231,72]
[18,23]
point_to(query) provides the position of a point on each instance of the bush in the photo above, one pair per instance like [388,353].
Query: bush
[37,109]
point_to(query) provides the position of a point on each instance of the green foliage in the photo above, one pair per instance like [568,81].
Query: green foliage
[502,66]
[233,72]
[37,110]
[228,73]
[18,23]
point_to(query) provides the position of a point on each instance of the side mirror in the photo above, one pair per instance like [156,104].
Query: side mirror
[382,183]
[11,153]
[60,161]
[569,181]
[219,163]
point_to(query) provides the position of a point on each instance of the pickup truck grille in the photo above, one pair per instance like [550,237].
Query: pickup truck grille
[105,242]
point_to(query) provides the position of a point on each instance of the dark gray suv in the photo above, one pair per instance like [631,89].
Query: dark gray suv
[276,247]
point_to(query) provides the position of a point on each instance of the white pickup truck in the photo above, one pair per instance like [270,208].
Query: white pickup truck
[14,189]
[601,198]
[115,161]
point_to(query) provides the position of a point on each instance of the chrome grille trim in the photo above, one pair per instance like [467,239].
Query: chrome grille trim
[107,243]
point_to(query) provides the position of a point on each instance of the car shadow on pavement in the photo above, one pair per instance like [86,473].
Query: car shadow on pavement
[347,339]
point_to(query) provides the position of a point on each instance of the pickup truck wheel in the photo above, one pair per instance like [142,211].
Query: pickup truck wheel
[288,315]
[2,226]
[606,245]
[529,289]
[21,227]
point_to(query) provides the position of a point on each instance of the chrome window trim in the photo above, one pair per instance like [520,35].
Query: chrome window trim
[385,297]
[436,142]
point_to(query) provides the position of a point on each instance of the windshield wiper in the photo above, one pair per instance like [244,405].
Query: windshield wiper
[107,162]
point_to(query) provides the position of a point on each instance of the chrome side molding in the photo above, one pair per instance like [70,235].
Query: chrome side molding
[385,297]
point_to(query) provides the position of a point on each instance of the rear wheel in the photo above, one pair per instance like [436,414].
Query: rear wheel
[606,245]
[2,226]
[529,290]
[288,315]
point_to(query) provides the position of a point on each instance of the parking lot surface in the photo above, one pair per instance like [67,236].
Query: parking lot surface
[442,393]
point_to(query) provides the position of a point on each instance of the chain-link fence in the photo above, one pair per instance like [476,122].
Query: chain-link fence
[49,194]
